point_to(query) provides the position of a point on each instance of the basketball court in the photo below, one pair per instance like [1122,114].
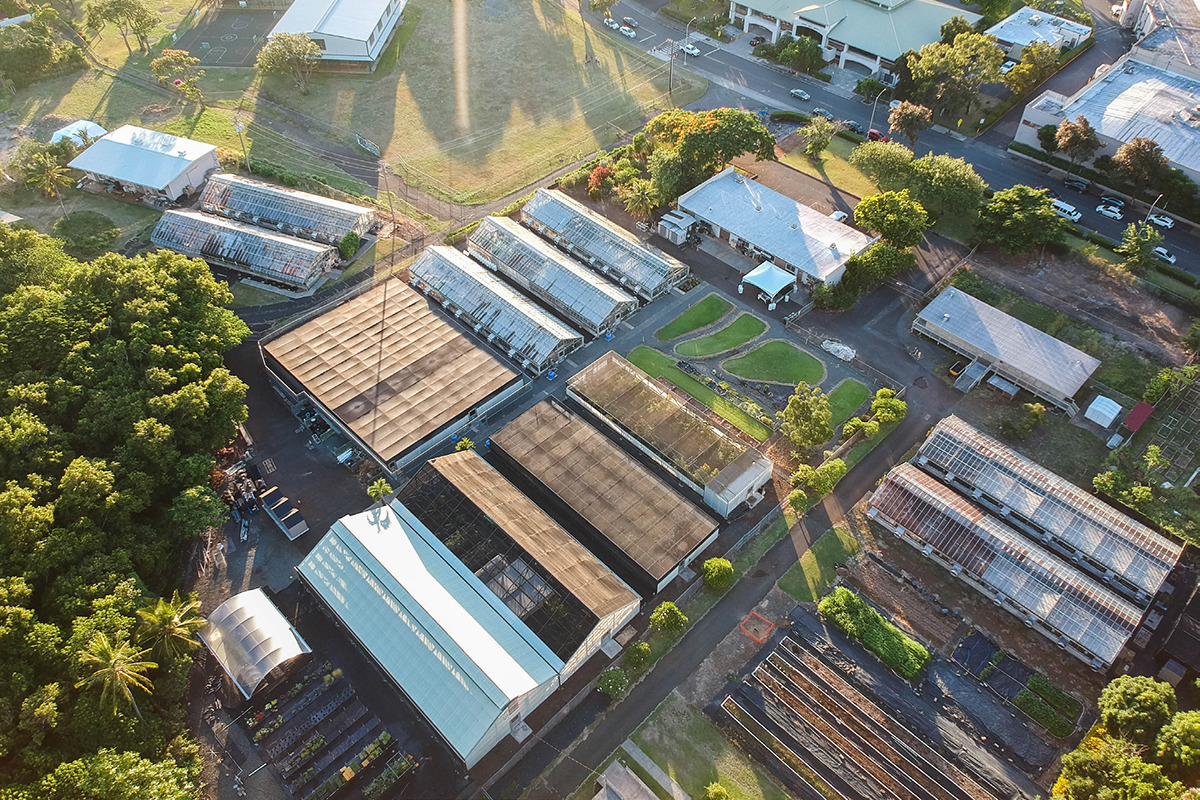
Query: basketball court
[228,37]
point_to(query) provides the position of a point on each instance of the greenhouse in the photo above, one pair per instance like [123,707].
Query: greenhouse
[1117,544]
[723,469]
[581,297]
[271,257]
[286,210]
[530,336]
[566,595]
[252,640]
[603,245]
[1077,612]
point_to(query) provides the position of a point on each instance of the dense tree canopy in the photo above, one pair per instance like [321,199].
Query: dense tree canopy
[1019,219]
[946,185]
[895,216]
[706,141]
[887,164]
[806,418]
[1136,707]
[292,54]
[953,73]
[909,119]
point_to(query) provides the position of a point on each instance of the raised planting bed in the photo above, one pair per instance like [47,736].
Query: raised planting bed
[857,619]
[743,329]
[300,726]
[776,362]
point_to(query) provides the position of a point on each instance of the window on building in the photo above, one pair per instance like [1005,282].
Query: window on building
[319,43]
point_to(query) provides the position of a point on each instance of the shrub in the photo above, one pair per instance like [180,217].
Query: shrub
[858,620]
[464,444]
[790,116]
[887,408]
[668,618]
[614,682]
[1042,714]
[637,656]
[718,574]
[348,246]
[715,791]
[798,500]
[1056,697]
[85,234]
[869,427]
[600,182]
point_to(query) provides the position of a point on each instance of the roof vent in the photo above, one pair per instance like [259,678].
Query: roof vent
[757,207]
[738,178]
[1036,19]
[795,226]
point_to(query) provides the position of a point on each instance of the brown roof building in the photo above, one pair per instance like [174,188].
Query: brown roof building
[645,530]
[390,371]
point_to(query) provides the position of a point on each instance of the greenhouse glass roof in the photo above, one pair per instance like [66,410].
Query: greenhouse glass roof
[531,334]
[1109,538]
[1085,612]
[262,254]
[431,625]
[292,211]
[578,295]
[647,271]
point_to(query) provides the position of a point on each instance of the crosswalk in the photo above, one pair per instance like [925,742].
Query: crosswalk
[670,48]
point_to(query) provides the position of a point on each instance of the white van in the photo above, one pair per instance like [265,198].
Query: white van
[1066,210]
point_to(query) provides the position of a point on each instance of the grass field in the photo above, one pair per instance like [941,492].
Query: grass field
[845,399]
[777,362]
[660,366]
[702,314]
[834,167]
[808,578]
[745,328]
[694,752]
[42,211]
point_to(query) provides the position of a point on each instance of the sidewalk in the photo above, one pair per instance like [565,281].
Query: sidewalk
[656,772]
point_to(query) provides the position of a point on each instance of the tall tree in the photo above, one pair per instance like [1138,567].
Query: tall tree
[887,164]
[49,176]
[1178,746]
[959,69]
[706,141]
[1078,140]
[1048,138]
[1137,246]
[378,490]
[895,216]
[118,668]
[806,418]
[180,70]
[909,119]
[135,17]
[639,197]
[603,6]
[879,261]
[803,54]
[292,54]
[1136,707]
[952,27]
[1020,219]
[114,775]
[817,135]
[1113,770]
[945,185]
[169,627]
[1140,162]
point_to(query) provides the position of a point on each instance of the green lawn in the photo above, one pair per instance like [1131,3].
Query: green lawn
[702,314]
[864,447]
[661,366]
[42,211]
[743,329]
[845,399]
[834,167]
[777,362]
[694,752]
[808,578]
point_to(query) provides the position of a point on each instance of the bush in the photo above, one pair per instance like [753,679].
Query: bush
[85,234]
[1102,240]
[668,618]
[1178,274]
[613,682]
[858,620]
[869,428]
[718,574]
[637,656]
[798,500]
[715,791]
[790,116]
[348,246]
[1061,163]
[1056,697]
[1042,714]
[455,236]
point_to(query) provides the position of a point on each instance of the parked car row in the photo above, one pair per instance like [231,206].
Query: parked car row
[1112,207]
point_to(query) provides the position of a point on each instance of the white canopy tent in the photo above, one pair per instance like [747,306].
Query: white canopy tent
[771,281]
[76,132]
[251,638]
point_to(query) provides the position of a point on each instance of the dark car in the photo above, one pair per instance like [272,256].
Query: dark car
[755,41]
[630,21]
[821,112]
[1078,184]
[1053,195]
[852,125]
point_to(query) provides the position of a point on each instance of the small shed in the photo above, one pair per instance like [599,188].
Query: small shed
[1138,416]
[772,282]
[78,132]
[1103,411]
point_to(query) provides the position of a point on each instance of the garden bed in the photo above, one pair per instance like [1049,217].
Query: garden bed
[779,362]
[745,328]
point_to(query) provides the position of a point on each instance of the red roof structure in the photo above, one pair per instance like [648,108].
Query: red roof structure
[1137,418]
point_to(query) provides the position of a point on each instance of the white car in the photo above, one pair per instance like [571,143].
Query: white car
[839,216]
[799,94]
[1109,211]
[894,104]
[690,49]
[1161,220]
[1007,67]
[1163,254]
[628,31]
[612,23]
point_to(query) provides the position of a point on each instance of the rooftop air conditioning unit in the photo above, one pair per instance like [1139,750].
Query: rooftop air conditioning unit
[956,569]
[927,549]
[1036,19]
[738,178]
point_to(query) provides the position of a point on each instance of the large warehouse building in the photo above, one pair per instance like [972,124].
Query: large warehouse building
[532,337]
[642,528]
[579,296]
[567,596]
[602,244]
[391,372]
[351,34]
[772,227]
[470,665]
[285,210]
[725,471]
[1017,352]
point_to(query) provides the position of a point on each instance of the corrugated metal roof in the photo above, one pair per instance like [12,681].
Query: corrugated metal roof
[1020,27]
[251,637]
[434,628]
[1010,341]
[139,156]
[393,369]
[348,19]
[489,303]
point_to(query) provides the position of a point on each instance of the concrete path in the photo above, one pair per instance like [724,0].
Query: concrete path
[656,772]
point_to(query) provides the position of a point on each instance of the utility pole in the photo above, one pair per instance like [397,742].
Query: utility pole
[240,126]
[671,72]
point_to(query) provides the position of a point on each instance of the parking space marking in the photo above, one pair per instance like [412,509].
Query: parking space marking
[268,466]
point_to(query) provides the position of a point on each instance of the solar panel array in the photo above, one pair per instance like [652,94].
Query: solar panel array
[273,257]
[287,210]
[578,295]
[489,304]
[603,244]
[1063,599]
[1110,539]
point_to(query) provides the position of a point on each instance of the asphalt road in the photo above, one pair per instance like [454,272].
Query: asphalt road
[765,86]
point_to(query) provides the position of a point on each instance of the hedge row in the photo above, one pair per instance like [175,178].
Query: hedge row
[1178,274]
[858,620]
[790,116]
[1041,713]
[1055,161]
[455,236]
[1102,240]
[1056,697]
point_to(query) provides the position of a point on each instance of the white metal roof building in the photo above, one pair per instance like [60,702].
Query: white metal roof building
[602,244]
[142,161]
[1066,605]
[781,230]
[581,297]
[533,338]
[251,639]
[77,132]
[272,257]
[285,210]
[1119,548]
[467,662]
[1036,361]
[1027,25]
[350,33]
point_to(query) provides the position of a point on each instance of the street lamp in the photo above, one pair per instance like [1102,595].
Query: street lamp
[871,124]
[1151,211]
[686,39]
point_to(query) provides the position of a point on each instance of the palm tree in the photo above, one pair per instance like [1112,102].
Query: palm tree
[379,490]
[118,670]
[44,173]
[640,198]
[169,627]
